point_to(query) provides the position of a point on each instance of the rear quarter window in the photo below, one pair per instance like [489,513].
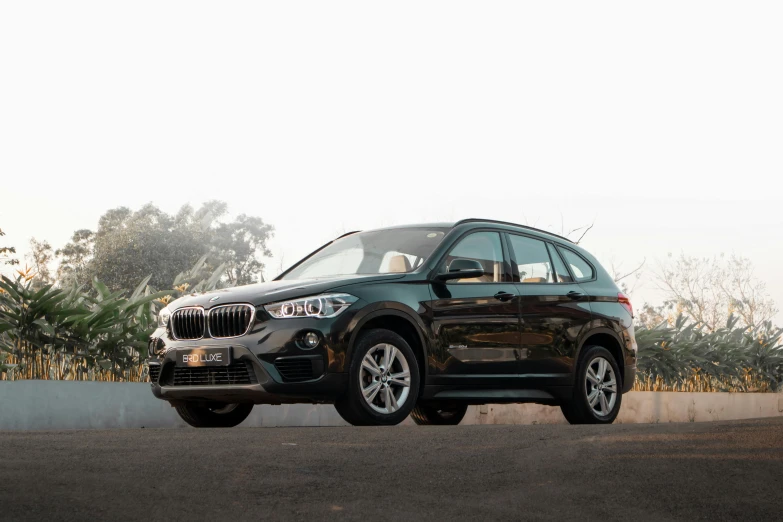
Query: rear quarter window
[581,269]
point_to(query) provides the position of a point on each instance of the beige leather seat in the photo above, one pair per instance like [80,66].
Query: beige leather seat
[534,280]
[399,264]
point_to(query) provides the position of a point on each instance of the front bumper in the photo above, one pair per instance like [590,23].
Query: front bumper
[325,391]
[266,385]
[259,358]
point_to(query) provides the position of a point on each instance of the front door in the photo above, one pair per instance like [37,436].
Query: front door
[553,307]
[476,321]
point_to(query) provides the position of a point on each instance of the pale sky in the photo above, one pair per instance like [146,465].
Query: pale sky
[661,121]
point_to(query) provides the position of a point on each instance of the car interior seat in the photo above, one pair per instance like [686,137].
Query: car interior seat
[399,264]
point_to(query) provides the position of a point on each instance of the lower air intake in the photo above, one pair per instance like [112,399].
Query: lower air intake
[154,372]
[296,369]
[239,372]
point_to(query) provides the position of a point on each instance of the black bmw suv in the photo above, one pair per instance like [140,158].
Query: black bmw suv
[419,320]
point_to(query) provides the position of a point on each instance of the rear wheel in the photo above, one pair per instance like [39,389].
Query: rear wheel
[596,397]
[439,413]
[217,416]
[383,380]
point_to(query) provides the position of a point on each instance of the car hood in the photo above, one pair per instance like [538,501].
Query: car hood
[273,291]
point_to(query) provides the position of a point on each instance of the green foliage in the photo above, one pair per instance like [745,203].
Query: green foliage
[238,245]
[197,279]
[5,258]
[77,333]
[128,245]
[81,333]
[41,254]
[75,258]
[690,357]
[53,333]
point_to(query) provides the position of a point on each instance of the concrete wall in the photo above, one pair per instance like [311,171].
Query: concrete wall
[55,405]
[646,407]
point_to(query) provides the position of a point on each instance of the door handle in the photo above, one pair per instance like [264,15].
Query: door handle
[504,296]
[573,294]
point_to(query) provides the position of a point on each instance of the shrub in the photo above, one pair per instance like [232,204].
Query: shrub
[78,334]
[51,333]
[684,357]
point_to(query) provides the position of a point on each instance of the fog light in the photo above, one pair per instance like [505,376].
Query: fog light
[311,339]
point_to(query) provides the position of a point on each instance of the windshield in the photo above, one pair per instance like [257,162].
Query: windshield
[396,250]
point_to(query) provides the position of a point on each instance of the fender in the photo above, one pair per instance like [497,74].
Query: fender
[388,309]
[587,333]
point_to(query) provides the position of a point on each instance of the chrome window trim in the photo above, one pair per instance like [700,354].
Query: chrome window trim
[178,310]
[249,324]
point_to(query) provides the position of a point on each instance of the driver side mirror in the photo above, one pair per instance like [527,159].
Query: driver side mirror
[462,269]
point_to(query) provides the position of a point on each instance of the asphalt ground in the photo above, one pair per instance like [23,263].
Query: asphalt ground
[705,471]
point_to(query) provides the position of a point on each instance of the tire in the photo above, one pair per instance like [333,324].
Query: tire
[439,413]
[378,381]
[218,416]
[578,410]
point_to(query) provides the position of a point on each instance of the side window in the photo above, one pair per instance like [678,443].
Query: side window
[580,268]
[532,260]
[485,248]
[560,269]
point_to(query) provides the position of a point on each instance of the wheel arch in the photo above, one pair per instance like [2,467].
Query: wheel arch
[606,338]
[400,321]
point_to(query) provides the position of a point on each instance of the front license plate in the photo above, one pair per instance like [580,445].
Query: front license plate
[204,357]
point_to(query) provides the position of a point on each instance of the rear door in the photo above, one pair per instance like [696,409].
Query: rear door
[553,309]
[476,321]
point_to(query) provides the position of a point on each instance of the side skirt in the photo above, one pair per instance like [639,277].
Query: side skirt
[479,395]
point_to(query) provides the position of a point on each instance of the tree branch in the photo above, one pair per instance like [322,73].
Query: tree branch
[585,232]
[632,272]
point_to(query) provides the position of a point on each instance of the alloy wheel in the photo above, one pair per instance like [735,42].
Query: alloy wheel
[385,378]
[601,386]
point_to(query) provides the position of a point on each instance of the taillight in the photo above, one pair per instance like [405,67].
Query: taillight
[623,300]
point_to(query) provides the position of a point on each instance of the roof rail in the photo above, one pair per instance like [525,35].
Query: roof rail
[479,220]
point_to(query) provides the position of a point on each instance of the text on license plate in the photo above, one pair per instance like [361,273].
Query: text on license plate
[204,357]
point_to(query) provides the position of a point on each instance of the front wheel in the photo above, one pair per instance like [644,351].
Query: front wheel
[383,380]
[217,416]
[439,413]
[596,397]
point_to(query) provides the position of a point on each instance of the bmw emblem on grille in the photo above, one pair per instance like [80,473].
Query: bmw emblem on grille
[214,299]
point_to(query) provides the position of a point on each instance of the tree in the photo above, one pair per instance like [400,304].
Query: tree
[130,245]
[710,290]
[239,245]
[41,254]
[627,280]
[651,316]
[748,297]
[5,258]
[75,258]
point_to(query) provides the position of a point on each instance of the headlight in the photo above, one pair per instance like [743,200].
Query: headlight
[163,317]
[320,306]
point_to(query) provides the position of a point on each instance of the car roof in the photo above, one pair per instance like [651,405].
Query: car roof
[510,225]
[477,221]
